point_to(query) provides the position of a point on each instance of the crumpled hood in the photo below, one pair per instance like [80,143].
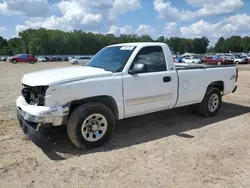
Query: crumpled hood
[55,76]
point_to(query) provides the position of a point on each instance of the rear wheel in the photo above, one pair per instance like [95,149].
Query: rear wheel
[210,104]
[91,125]
[32,62]
[237,62]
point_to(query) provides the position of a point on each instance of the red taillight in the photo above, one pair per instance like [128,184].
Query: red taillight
[237,73]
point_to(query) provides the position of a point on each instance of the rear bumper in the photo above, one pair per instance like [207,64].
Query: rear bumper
[235,89]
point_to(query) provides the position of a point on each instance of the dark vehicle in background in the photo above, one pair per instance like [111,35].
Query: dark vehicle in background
[58,58]
[52,58]
[65,58]
[46,58]
[179,59]
[25,58]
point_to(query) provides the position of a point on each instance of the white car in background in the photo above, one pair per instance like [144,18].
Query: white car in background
[41,59]
[191,59]
[80,60]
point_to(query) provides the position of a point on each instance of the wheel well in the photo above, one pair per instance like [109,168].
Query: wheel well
[106,100]
[217,84]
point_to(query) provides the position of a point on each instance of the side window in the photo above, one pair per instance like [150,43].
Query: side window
[152,57]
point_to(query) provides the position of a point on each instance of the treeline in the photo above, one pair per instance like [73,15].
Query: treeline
[5,48]
[232,44]
[56,42]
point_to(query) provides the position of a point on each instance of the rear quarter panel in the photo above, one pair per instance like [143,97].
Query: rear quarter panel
[193,83]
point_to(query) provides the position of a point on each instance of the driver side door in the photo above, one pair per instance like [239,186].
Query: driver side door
[151,90]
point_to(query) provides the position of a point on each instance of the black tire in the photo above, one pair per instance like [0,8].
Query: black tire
[79,115]
[237,62]
[14,61]
[32,62]
[203,108]
[75,63]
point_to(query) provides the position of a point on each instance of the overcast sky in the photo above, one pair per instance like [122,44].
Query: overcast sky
[184,18]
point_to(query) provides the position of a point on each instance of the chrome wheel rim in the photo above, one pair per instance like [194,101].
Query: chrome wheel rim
[94,127]
[213,102]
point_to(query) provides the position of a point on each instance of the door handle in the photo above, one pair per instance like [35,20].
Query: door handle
[167,79]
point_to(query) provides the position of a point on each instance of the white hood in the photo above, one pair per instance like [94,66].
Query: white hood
[54,76]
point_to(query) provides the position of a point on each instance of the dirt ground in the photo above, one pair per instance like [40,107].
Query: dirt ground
[173,148]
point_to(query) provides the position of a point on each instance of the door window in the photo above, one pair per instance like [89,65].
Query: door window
[152,57]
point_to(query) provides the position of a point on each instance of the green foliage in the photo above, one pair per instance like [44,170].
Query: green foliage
[54,42]
[219,46]
[233,44]
[5,49]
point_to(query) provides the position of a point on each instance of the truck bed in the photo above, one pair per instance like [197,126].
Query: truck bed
[193,80]
[184,66]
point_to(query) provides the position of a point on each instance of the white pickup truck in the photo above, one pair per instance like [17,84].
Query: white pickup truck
[120,81]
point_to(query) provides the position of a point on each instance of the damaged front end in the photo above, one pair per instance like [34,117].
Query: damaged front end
[34,95]
[33,113]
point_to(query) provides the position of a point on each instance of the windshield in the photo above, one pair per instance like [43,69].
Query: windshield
[112,58]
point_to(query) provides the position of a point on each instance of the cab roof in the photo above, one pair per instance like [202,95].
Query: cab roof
[141,44]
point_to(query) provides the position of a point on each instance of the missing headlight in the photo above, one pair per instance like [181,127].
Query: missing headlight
[34,95]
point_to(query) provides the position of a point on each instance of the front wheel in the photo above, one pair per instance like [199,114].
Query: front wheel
[91,125]
[14,61]
[210,104]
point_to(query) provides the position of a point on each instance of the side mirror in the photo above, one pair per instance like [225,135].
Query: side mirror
[138,68]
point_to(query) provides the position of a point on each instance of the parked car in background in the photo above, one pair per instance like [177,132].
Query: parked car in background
[191,59]
[8,59]
[217,59]
[179,59]
[3,58]
[247,56]
[238,59]
[65,59]
[41,59]
[58,58]
[52,58]
[80,60]
[47,58]
[26,58]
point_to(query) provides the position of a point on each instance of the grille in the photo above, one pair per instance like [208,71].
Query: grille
[34,95]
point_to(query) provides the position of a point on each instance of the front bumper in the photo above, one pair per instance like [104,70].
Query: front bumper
[56,116]
[30,128]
